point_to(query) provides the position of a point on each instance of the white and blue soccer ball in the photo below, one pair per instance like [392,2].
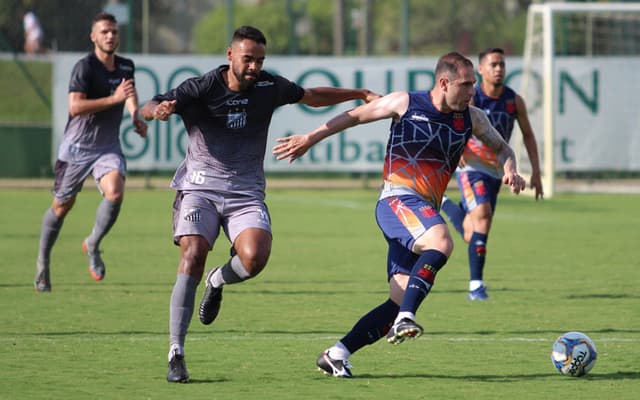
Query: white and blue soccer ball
[574,354]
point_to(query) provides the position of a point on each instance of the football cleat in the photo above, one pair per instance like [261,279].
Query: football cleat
[42,283]
[478,294]
[96,265]
[210,304]
[404,329]
[330,366]
[177,372]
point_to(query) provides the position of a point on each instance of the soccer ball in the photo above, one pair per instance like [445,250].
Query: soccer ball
[574,354]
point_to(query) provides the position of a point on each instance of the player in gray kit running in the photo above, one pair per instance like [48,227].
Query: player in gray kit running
[221,183]
[101,86]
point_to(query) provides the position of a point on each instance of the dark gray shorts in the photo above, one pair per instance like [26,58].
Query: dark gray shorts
[203,213]
[71,176]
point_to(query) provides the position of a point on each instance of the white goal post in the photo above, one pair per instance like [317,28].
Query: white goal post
[570,33]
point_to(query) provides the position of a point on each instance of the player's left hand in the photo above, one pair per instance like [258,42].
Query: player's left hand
[516,182]
[291,147]
[370,96]
[536,183]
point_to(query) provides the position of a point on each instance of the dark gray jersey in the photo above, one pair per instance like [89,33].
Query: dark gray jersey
[97,132]
[227,130]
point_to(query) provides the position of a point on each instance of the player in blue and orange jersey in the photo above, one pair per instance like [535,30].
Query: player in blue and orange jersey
[480,174]
[428,133]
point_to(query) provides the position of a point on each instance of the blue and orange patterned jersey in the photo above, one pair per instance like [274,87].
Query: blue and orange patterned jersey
[502,114]
[424,149]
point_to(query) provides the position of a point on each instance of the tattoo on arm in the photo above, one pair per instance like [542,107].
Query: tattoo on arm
[484,131]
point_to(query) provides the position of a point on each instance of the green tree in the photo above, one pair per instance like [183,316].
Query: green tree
[434,27]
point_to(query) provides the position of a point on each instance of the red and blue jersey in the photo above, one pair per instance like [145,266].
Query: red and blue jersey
[424,148]
[502,113]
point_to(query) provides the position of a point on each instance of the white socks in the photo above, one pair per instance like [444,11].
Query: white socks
[339,352]
[404,314]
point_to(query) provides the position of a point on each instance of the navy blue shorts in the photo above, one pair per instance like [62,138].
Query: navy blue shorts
[477,188]
[403,219]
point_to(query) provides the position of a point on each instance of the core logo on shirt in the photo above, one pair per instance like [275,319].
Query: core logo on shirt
[237,119]
[192,215]
[458,121]
[263,83]
[510,106]
[237,102]
[125,67]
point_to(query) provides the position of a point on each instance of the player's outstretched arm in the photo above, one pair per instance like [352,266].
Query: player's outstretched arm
[390,106]
[326,96]
[484,131]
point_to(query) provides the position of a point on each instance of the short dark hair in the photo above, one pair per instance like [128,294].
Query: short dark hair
[451,63]
[488,51]
[249,32]
[103,16]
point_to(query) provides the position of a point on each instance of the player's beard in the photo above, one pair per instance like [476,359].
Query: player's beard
[244,82]
[109,51]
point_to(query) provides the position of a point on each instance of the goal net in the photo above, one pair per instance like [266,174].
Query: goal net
[579,81]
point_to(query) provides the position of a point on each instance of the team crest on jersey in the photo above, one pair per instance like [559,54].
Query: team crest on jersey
[264,83]
[192,215]
[237,119]
[479,188]
[427,211]
[458,122]
[510,106]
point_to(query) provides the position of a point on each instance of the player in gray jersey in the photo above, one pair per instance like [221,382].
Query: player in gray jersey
[101,86]
[221,183]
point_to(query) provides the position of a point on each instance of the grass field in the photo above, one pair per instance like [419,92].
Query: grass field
[23,80]
[569,263]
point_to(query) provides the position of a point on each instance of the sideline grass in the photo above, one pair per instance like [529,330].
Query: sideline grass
[570,263]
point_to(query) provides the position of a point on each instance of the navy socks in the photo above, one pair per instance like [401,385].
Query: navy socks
[371,327]
[422,277]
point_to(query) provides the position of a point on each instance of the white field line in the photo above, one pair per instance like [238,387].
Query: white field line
[91,336]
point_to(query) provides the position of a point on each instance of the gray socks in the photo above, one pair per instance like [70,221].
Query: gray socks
[106,216]
[51,226]
[181,308]
[232,272]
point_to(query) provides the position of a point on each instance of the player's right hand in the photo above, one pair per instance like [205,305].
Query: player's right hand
[124,90]
[164,110]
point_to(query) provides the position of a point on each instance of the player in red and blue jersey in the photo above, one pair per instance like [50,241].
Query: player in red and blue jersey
[479,175]
[428,133]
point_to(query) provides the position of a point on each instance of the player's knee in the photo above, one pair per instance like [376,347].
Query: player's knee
[194,256]
[62,209]
[254,260]
[115,196]
[443,244]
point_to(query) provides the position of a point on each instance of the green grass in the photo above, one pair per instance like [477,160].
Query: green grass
[569,263]
[22,104]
